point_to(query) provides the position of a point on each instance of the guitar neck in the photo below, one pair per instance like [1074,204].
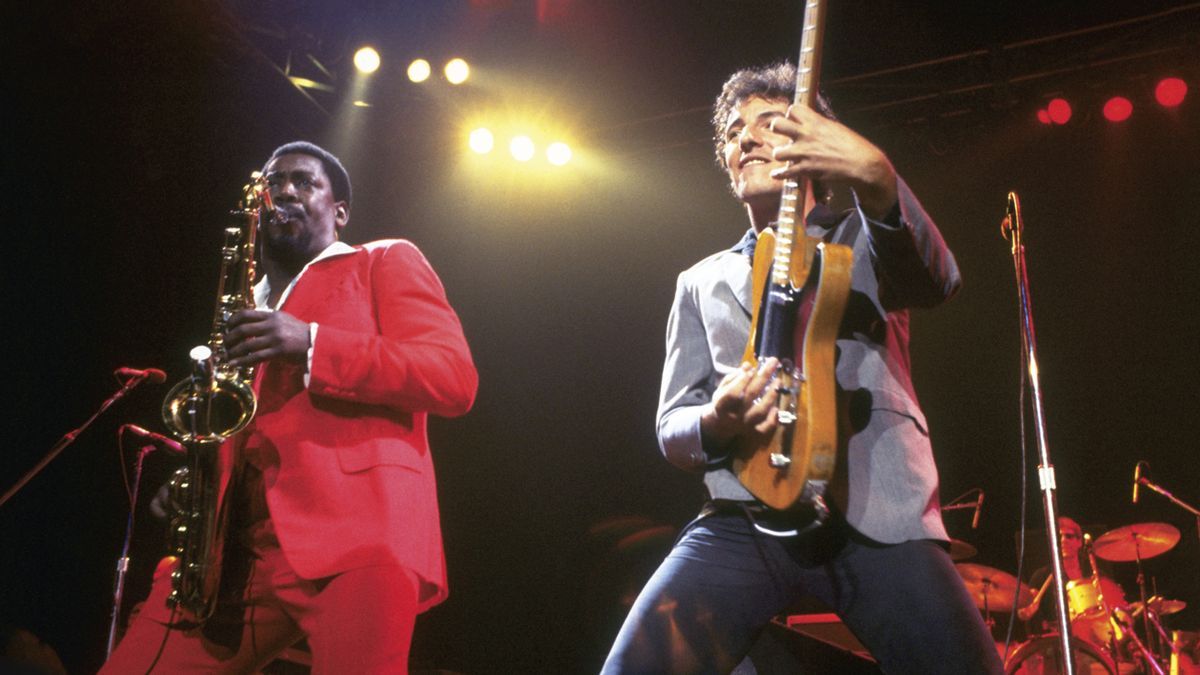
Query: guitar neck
[797,199]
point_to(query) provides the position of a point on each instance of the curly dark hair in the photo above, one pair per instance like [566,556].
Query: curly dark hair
[339,179]
[775,81]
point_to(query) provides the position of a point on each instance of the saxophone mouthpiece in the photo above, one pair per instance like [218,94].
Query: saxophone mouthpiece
[269,213]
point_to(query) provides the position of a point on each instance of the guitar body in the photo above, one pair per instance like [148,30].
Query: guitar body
[798,324]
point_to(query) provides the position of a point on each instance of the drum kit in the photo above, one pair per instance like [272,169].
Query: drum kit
[1108,635]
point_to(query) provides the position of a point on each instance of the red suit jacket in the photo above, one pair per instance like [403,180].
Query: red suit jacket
[346,464]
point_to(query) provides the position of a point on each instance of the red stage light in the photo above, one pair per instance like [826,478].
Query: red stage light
[1059,111]
[1043,116]
[1117,109]
[1170,91]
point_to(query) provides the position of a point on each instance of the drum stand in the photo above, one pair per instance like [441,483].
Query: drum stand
[1141,583]
[1123,625]
[1160,635]
[987,612]
[1156,637]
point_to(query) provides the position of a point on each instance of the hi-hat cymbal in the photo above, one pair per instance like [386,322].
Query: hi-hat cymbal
[961,550]
[1140,540]
[992,589]
[1160,605]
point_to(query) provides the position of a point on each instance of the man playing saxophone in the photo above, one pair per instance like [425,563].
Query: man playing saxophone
[333,529]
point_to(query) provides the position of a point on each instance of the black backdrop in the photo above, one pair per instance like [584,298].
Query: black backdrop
[129,131]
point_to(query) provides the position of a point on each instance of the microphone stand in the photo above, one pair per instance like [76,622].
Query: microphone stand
[1012,227]
[123,561]
[976,504]
[70,436]
[1173,499]
[1186,507]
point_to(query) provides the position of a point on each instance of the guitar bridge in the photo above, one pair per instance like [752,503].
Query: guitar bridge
[780,461]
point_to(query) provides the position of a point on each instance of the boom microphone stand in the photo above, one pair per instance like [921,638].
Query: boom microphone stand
[1012,228]
[133,377]
[1140,479]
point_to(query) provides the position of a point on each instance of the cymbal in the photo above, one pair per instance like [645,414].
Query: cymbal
[961,550]
[993,589]
[1144,540]
[1160,605]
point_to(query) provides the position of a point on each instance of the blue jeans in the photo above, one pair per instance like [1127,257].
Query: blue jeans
[724,581]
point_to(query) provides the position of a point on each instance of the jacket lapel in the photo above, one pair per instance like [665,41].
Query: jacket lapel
[737,275]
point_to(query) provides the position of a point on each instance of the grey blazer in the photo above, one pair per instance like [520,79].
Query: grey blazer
[900,263]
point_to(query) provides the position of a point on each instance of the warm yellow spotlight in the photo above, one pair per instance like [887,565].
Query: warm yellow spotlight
[558,153]
[419,70]
[481,141]
[361,104]
[457,71]
[521,148]
[366,60]
[305,83]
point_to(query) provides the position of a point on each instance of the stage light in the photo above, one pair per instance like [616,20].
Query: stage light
[1117,109]
[419,70]
[359,103]
[366,60]
[521,148]
[1059,111]
[558,153]
[1043,116]
[1170,92]
[457,71]
[305,83]
[481,141]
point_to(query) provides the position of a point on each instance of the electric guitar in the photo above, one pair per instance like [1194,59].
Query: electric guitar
[801,285]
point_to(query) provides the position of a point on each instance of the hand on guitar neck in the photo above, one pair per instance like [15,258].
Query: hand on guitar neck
[826,150]
[742,406]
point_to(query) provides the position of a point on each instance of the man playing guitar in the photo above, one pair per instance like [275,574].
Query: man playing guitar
[879,560]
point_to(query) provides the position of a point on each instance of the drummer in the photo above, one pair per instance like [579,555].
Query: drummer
[1076,568]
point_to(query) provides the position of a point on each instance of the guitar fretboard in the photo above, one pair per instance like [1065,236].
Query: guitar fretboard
[796,199]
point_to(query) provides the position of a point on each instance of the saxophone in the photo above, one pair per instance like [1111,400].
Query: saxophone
[215,402]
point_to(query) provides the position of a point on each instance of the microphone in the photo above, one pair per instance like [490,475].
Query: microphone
[165,442]
[153,374]
[1137,480]
[1012,216]
[978,509]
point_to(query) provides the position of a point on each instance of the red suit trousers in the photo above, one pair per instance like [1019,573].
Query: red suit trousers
[359,621]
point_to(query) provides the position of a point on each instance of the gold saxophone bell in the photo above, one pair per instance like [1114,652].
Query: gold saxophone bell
[208,407]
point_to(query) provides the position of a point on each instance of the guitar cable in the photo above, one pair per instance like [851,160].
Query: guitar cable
[1012,617]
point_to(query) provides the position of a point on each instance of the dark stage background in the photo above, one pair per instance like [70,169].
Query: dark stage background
[130,127]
